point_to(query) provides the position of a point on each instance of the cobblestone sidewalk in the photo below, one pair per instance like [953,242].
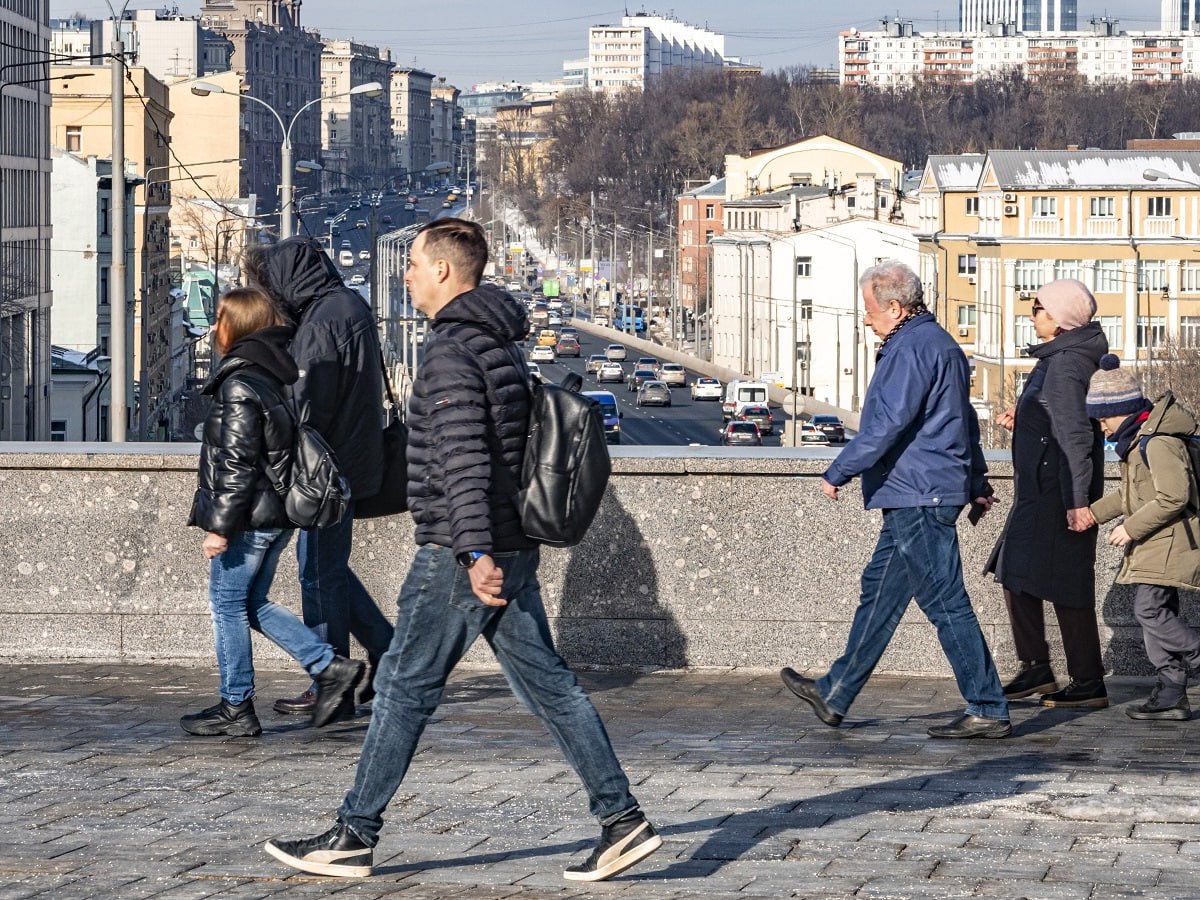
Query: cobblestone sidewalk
[104,796]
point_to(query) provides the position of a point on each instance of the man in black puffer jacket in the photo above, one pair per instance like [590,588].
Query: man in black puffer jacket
[475,572]
[340,389]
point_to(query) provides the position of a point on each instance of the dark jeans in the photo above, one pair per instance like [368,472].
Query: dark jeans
[1173,647]
[334,602]
[439,619]
[1080,634]
[917,556]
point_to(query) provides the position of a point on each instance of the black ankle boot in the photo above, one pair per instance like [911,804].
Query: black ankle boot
[1168,701]
[235,720]
[1033,678]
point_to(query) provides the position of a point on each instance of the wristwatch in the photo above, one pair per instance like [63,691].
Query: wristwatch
[467,559]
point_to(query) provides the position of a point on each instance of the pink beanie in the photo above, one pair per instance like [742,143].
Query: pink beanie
[1069,302]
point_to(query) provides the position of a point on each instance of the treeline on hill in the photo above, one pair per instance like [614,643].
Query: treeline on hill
[637,149]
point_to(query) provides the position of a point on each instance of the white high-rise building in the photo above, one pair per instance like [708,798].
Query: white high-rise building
[645,46]
[1180,15]
[1026,15]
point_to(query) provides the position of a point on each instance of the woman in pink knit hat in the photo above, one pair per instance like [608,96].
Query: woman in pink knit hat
[1047,553]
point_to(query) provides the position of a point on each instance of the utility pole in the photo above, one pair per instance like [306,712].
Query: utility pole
[119,412]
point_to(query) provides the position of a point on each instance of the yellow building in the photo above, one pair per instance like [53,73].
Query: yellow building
[81,123]
[996,227]
[819,161]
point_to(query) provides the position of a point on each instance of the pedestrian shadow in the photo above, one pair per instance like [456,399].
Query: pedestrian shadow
[610,614]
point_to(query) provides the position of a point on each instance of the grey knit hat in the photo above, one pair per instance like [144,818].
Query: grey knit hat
[1113,391]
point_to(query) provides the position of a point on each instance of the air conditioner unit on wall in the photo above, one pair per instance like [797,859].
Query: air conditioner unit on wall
[1011,209]
[1026,295]
[970,279]
[1010,198]
[962,332]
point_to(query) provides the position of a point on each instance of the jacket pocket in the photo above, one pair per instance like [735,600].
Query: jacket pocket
[1152,554]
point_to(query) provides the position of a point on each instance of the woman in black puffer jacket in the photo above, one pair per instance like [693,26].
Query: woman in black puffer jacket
[249,428]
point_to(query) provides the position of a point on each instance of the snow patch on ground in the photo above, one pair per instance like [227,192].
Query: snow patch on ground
[1110,807]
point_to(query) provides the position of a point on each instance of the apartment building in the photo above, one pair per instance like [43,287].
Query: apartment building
[81,124]
[279,62]
[356,132]
[445,130]
[1026,15]
[701,217]
[996,227]
[25,224]
[1180,15]
[626,56]
[411,109]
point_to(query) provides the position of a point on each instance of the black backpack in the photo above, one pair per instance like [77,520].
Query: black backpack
[316,493]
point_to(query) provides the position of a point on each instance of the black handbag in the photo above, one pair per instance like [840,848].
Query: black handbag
[393,490]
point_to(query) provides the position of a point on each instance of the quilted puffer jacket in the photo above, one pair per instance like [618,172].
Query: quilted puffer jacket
[468,418]
[248,422]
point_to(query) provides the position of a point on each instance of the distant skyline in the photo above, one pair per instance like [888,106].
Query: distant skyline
[474,41]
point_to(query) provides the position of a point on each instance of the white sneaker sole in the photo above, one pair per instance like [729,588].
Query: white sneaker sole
[621,863]
[317,868]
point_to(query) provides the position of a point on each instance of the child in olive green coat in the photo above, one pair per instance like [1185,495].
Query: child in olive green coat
[1161,531]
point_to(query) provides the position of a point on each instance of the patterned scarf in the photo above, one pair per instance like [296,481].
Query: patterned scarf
[918,310]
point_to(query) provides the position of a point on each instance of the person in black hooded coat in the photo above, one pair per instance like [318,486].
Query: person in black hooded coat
[248,438]
[340,392]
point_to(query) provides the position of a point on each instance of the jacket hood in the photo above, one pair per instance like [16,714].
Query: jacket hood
[1168,417]
[267,349]
[300,272]
[1088,339]
[491,307]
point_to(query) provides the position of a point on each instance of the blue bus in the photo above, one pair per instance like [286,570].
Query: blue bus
[629,318]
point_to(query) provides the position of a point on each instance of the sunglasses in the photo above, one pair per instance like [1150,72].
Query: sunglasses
[1037,308]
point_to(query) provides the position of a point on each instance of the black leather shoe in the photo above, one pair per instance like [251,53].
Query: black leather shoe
[297,706]
[367,694]
[1167,702]
[806,690]
[337,852]
[1079,695]
[234,720]
[968,726]
[334,683]
[1033,678]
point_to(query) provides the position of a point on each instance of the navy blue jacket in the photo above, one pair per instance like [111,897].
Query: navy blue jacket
[918,439]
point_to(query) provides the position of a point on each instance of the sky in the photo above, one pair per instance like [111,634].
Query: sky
[474,41]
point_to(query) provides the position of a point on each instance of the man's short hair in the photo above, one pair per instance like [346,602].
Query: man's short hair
[893,280]
[461,243]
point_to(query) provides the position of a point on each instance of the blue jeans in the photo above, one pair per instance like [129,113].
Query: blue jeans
[238,582]
[917,556]
[333,600]
[439,619]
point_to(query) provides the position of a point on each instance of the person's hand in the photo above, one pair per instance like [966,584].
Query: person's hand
[214,545]
[828,490]
[1007,419]
[487,579]
[1080,519]
[985,504]
[1119,537]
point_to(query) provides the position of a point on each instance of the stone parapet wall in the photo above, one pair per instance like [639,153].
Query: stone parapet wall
[699,557]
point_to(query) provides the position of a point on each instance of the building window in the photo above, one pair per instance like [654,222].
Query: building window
[1023,333]
[710,210]
[1152,275]
[105,215]
[1158,206]
[74,138]
[972,206]
[104,286]
[1045,206]
[804,267]
[708,235]
[806,310]
[58,430]
[1069,268]
[1102,206]
[1189,277]
[1189,331]
[1152,327]
[1028,274]
[1108,276]
[966,316]
[1111,326]
[967,263]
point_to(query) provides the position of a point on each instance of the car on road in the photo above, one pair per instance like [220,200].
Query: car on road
[743,433]
[535,372]
[638,377]
[329,220]
[610,371]
[601,319]
[647,362]
[654,393]
[345,259]
[812,437]
[553,318]
[362,223]
[569,330]
[346,245]
[364,254]
[358,279]
[612,416]
[547,338]
[673,374]
[594,362]
[706,388]
[386,220]
[542,353]
[832,426]
[446,204]
[615,353]
[567,346]
[760,416]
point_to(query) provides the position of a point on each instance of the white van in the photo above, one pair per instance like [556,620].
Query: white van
[346,258]
[742,393]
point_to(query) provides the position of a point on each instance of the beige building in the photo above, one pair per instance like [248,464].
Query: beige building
[820,161]
[356,133]
[445,129]
[411,108]
[81,123]
[996,227]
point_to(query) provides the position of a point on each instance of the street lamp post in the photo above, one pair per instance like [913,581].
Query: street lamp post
[370,89]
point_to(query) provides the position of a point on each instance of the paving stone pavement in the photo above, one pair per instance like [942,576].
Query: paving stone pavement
[102,795]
